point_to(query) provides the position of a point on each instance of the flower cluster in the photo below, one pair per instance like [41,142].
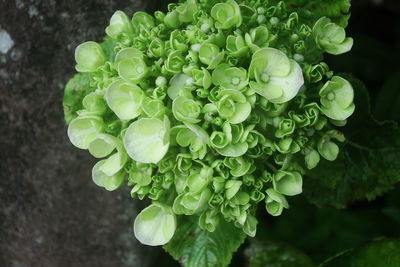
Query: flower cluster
[210,109]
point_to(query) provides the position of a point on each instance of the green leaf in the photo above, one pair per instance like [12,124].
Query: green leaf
[274,254]
[321,233]
[368,165]
[195,247]
[337,10]
[387,105]
[380,252]
[75,90]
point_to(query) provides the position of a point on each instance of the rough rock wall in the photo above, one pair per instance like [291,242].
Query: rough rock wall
[51,213]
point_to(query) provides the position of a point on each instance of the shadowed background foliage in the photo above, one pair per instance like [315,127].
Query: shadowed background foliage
[51,213]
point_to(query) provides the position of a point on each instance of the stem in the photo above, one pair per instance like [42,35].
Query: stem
[169,198]
[272,167]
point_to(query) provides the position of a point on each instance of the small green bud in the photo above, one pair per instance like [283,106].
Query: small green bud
[89,57]
[275,202]
[179,41]
[232,187]
[226,15]
[119,24]
[196,202]
[328,149]
[186,110]
[236,46]
[286,127]
[172,19]
[157,48]
[202,78]
[233,106]
[311,159]
[250,226]
[187,10]
[288,183]
[238,166]
[142,20]
[175,62]
[161,81]
[210,55]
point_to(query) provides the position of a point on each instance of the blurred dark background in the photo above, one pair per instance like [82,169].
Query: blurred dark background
[51,213]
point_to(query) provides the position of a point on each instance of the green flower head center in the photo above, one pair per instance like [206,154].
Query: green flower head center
[330,96]
[224,12]
[205,27]
[139,69]
[287,125]
[235,80]
[265,77]
[190,108]
[227,107]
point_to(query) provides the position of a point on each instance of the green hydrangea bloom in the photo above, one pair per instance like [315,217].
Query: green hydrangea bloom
[210,109]
[331,37]
[337,98]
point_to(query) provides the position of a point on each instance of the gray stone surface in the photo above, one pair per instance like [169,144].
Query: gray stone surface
[51,213]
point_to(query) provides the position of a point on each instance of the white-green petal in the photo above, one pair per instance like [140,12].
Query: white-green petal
[268,91]
[186,110]
[124,99]
[328,149]
[290,84]
[177,84]
[102,145]
[242,112]
[233,150]
[337,113]
[94,102]
[109,182]
[83,130]
[155,225]
[271,61]
[114,163]
[196,202]
[153,107]
[89,56]
[337,98]
[119,23]
[147,140]
[288,183]
[275,202]
[199,132]
[127,53]
[331,37]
